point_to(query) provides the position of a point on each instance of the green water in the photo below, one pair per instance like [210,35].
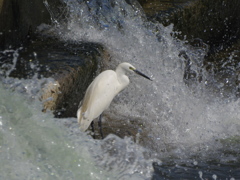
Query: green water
[33,146]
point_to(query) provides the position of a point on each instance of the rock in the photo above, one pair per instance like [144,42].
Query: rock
[19,19]
[72,66]
[160,7]
[217,23]
[1,4]
[226,66]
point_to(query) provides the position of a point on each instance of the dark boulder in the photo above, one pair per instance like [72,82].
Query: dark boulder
[20,18]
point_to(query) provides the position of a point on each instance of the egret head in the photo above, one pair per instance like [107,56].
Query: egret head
[130,68]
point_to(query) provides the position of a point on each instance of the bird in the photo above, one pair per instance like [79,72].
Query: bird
[101,92]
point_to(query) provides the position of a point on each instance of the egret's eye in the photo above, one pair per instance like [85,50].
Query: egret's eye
[131,68]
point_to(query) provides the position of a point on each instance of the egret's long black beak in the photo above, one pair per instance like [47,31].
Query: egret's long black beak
[141,74]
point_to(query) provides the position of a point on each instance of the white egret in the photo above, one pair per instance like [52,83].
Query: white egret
[101,92]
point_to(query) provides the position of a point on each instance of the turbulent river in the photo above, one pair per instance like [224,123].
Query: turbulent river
[189,130]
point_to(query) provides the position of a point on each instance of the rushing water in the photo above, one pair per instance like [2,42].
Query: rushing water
[186,130]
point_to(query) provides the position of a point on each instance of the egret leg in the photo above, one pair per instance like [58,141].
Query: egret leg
[100,125]
[92,125]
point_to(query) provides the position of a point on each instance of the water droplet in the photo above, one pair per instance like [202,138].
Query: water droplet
[200,174]
[195,163]
[214,176]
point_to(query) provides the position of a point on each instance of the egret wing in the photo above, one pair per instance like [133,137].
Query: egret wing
[98,97]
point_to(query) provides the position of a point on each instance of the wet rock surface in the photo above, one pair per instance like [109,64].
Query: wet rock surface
[156,7]
[215,22]
[19,19]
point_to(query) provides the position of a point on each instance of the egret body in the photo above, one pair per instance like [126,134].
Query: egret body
[101,92]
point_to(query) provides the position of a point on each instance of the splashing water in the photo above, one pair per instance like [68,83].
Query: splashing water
[35,145]
[172,113]
[177,121]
